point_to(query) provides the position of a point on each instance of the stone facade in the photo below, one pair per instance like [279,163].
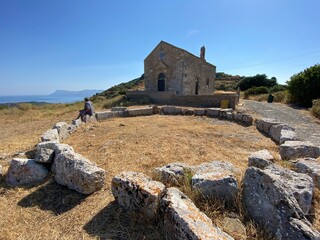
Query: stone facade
[171,69]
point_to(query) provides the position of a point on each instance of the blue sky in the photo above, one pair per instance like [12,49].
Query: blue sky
[75,44]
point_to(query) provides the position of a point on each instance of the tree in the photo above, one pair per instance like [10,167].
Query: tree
[305,86]
[256,81]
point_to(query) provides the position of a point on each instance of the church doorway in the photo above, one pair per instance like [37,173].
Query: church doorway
[161,82]
[197,87]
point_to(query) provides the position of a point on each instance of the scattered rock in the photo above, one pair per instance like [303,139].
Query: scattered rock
[200,112]
[25,172]
[156,109]
[216,180]
[78,173]
[298,149]
[173,174]
[265,124]
[138,192]
[275,131]
[235,228]
[260,159]
[62,128]
[213,112]
[50,135]
[183,220]
[223,112]
[230,115]
[278,199]
[171,110]
[288,135]
[311,167]
[135,112]
[247,119]
[46,151]
[77,122]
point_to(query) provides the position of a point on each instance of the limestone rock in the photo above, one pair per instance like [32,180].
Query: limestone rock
[200,112]
[298,149]
[62,128]
[216,180]
[288,135]
[184,221]
[171,110]
[105,115]
[265,124]
[46,151]
[25,172]
[235,228]
[90,119]
[229,115]
[238,117]
[275,131]
[71,128]
[247,119]
[135,112]
[50,135]
[78,173]
[77,122]
[311,167]
[118,109]
[138,192]
[277,199]
[213,112]
[173,174]
[223,112]
[187,111]
[156,109]
[260,159]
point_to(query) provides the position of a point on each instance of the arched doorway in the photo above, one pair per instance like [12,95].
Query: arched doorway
[161,82]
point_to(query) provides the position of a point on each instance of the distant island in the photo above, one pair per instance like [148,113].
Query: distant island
[82,93]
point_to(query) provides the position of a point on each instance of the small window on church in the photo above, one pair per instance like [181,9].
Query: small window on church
[208,82]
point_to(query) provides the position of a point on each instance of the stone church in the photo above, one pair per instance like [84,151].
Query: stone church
[171,69]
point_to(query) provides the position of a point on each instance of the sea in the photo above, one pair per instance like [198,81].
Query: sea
[39,99]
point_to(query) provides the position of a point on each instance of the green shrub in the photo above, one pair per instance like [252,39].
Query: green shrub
[305,86]
[255,91]
[256,81]
[316,108]
[278,88]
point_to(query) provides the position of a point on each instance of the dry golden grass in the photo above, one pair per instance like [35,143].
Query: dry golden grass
[122,144]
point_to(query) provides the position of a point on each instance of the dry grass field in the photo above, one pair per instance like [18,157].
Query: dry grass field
[51,211]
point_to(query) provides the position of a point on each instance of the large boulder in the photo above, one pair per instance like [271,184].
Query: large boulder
[216,180]
[278,199]
[50,135]
[78,173]
[311,167]
[46,151]
[276,131]
[171,110]
[25,172]
[260,159]
[135,112]
[298,149]
[213,112]
[62,128]
[288,135]
[137,192]
[264,124]
[173,174]
[184,221]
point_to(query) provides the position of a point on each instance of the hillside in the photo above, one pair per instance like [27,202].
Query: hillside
[226,81]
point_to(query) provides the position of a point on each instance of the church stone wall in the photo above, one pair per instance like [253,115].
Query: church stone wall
[181,69]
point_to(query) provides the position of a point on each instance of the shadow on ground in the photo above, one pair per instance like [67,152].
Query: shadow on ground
[115,223]
[53,197]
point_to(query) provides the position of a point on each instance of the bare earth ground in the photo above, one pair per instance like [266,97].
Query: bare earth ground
[122,144]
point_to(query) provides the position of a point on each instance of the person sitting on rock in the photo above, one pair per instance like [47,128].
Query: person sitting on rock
[87,110]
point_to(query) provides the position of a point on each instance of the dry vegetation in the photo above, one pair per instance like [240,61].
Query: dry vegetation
[122,144]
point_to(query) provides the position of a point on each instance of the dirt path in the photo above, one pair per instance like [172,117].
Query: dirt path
[306,126]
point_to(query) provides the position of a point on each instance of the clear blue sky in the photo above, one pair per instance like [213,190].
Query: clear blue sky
[74,44]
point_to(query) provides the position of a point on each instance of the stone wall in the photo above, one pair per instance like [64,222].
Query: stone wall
[170,98]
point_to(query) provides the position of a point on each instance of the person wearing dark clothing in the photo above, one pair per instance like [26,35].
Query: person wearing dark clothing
[87,110]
